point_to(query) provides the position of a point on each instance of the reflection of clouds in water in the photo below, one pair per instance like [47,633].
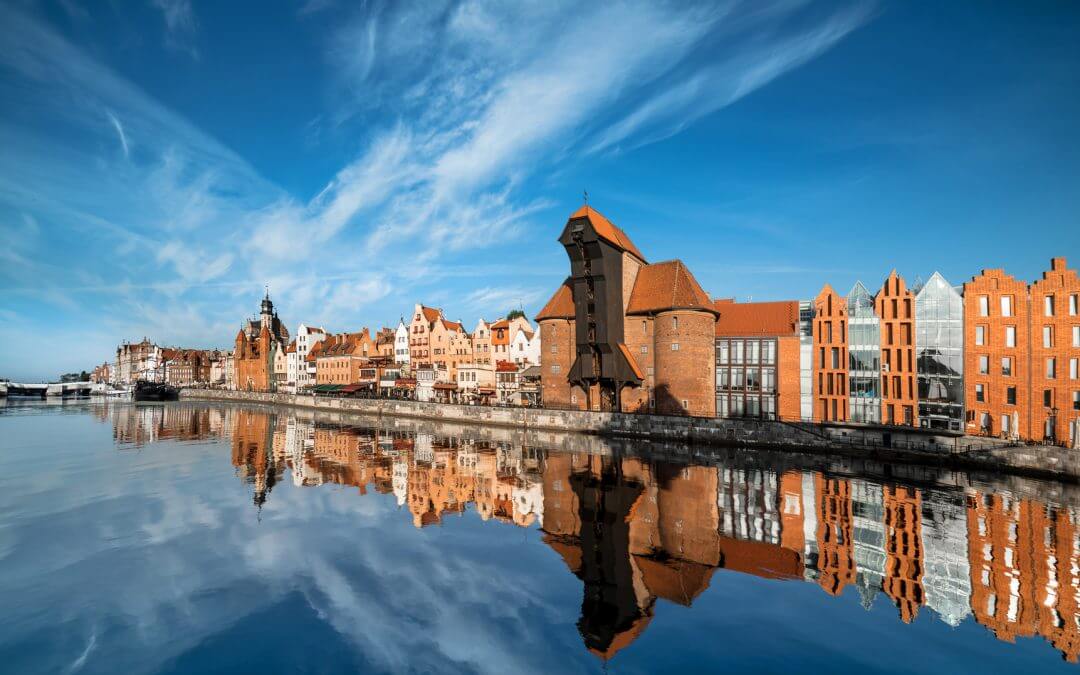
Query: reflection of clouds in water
[174,555]
[408,601]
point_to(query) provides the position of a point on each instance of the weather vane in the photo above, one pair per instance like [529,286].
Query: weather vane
[586,197]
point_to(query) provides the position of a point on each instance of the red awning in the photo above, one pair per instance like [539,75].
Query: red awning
[445,386]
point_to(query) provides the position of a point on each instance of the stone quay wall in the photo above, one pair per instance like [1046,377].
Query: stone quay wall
[864,441]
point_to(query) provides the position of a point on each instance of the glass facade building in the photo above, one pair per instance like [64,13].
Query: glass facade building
[746,377]
[864,357]
[939,354]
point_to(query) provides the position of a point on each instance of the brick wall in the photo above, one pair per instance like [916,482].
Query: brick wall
[686,376]
[788,391]
[638,333]
[895,307]
[993,285]
[830,377]
[557,350]
[1058,283]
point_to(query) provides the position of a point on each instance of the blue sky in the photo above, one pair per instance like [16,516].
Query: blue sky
[162,161]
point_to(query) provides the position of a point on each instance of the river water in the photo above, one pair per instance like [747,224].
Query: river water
[194,537]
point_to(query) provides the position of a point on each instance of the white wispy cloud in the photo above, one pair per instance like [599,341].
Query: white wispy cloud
[120,133]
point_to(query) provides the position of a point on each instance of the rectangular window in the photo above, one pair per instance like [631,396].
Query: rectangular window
[1048,305]
[821,353]
[1051,368]
[768,352]
[1010,336]
[1074,367]
[556,368]
[984,364]
[674,346]
[1076,400]
[980,335]
[768,380]
[1048,398]
[724,353]
[736,351]
[736,378]
[1074,304]
[828,331]
[984,422]
[753,379]
[753,351]
[1076,336]
[980,393]
[835,357]
[1006,305]
[1010,395]
[1048,337]
[722,378]
[644,349]
[1006,365]
[984,305]
[753,406]
[1006,424]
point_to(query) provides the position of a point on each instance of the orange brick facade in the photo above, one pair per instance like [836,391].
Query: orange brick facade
[895,307]
[830,357]
[997,354]
[1055,354]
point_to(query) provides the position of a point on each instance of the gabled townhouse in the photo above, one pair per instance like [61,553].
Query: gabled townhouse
[481,343]
[385,341]
[302,371]
[401,343]
[423,320]
[525,347]
[450,345]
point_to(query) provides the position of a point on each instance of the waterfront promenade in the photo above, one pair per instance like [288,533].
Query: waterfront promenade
[897,444]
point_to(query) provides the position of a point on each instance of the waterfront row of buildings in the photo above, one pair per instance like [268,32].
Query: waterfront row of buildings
[637,531]
[994,356]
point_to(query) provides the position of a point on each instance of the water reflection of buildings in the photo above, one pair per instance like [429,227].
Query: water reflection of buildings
[636,531]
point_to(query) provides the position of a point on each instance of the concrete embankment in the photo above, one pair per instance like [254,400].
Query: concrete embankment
[868,442]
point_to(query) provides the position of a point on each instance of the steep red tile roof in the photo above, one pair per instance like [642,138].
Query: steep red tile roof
[560,306]
[432,314]
[631,361]
[757,318]
[501,323]
[667,285]
[453,325]
[291,349]
[606,230]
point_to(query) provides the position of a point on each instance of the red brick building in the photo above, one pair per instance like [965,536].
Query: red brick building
[895,307]
[757,359]
[1055,354]
[256,343]
[830,357]
[623,334]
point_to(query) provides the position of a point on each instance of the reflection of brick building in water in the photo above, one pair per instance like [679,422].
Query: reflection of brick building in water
[835,563]
[1025,570]
[903,550]
[636,531]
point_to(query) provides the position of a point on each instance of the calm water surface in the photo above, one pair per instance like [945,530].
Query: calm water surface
[211,538]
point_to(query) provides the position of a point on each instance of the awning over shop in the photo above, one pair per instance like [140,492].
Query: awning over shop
[405,383]
[485,391]
[326,388]
[445,386]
